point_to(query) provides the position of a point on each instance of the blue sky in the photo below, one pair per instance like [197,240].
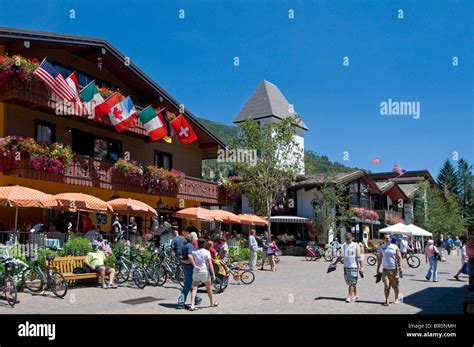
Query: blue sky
[389,58]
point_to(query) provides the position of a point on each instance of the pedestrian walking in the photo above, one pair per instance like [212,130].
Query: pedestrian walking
[464,263]
[253,247]
[449,244]
[390,258]
[187,267]
[264,240]
[457,245]
[203,273]
[441,245]
[404,247]
[271,252]
[431,255]
[351,255]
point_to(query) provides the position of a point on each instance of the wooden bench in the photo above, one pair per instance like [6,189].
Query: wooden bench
[66,266]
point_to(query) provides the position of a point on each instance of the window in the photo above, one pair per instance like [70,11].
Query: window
[85,143]
[164,160]
[45,131]
[82,78]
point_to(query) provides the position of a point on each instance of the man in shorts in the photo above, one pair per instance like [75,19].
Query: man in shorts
[95,262]
[351,253]
[391,259]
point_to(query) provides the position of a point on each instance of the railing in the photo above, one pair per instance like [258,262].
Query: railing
[389,215]
[35,94]
[92,172]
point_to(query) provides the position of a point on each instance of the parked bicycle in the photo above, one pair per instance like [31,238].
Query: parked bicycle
[314,252]
[239,275]
[7,283]
[169,267]
[39,278]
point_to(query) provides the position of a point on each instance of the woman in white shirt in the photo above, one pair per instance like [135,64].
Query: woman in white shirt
[203,272]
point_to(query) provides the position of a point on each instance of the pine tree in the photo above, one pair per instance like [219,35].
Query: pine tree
[448,178]
[466,191]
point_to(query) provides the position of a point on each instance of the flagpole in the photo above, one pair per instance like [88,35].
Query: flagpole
[87,85]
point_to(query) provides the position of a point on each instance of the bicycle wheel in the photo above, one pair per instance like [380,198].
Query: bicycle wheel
[139,278]
[9,291]
[217,286]
[123,273]
[247,277]
[413,261]
[58,284]
[150,275]
[371,260]
[328,256]
[179,276]
[32,280]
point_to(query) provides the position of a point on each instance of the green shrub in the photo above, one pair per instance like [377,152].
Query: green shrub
[43,252]
[78,246]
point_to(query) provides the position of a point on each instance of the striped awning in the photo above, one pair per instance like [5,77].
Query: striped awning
[82,202]
[18,196]
[289,219]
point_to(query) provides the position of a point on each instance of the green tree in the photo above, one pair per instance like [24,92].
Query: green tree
[466,191]
[266,180]
[332,201]
[438,212]
[448,178]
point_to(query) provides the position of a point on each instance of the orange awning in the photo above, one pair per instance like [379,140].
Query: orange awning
[82,202]
[195,213]
[132,207]
[18,196]
[252,219]
[224,216]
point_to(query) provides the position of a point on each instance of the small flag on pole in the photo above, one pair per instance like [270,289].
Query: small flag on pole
[72,82]
[376,160]
[398,170]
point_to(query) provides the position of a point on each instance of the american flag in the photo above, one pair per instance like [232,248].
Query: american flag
[398,169]
[54,80]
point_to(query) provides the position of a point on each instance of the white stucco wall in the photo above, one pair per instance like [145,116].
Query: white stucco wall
[303,203]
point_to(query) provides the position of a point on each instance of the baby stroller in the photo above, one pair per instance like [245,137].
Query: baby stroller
[221,269]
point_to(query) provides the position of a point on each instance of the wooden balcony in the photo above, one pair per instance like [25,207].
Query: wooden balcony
[35,95]
[389,215]
[92,172]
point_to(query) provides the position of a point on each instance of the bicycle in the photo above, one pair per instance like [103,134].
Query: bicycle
[7,282]
[36,280]
[244,276]
[314,252]
[169,267]
[412,260]
[372,259]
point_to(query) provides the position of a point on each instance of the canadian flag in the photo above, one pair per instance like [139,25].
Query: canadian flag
[183,130]
[122,113]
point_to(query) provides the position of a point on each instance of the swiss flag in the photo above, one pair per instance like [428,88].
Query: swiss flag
[183,130]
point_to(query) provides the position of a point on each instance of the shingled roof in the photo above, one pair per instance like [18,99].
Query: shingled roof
[313,180]
[266,101]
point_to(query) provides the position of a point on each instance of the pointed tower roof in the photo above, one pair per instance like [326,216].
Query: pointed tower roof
[266,101]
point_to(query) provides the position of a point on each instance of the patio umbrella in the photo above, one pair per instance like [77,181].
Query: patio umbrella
[224,216]
[132,207]
[195,213]
[18,196]
[82,202]
[398,228]
[252,219]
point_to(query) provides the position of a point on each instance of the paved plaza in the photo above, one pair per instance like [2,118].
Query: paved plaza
[298,286]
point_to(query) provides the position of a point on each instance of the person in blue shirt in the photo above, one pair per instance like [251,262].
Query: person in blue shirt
[449,244]
[187,266]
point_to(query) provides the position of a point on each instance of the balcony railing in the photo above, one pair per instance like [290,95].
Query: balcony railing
[389,215]
[92,172]
[35,94]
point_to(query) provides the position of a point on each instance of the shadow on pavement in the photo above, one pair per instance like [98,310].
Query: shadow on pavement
[169,306]
[344,299]
[438,300]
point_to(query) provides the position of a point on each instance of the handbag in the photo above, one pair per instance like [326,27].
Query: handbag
[465,269]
